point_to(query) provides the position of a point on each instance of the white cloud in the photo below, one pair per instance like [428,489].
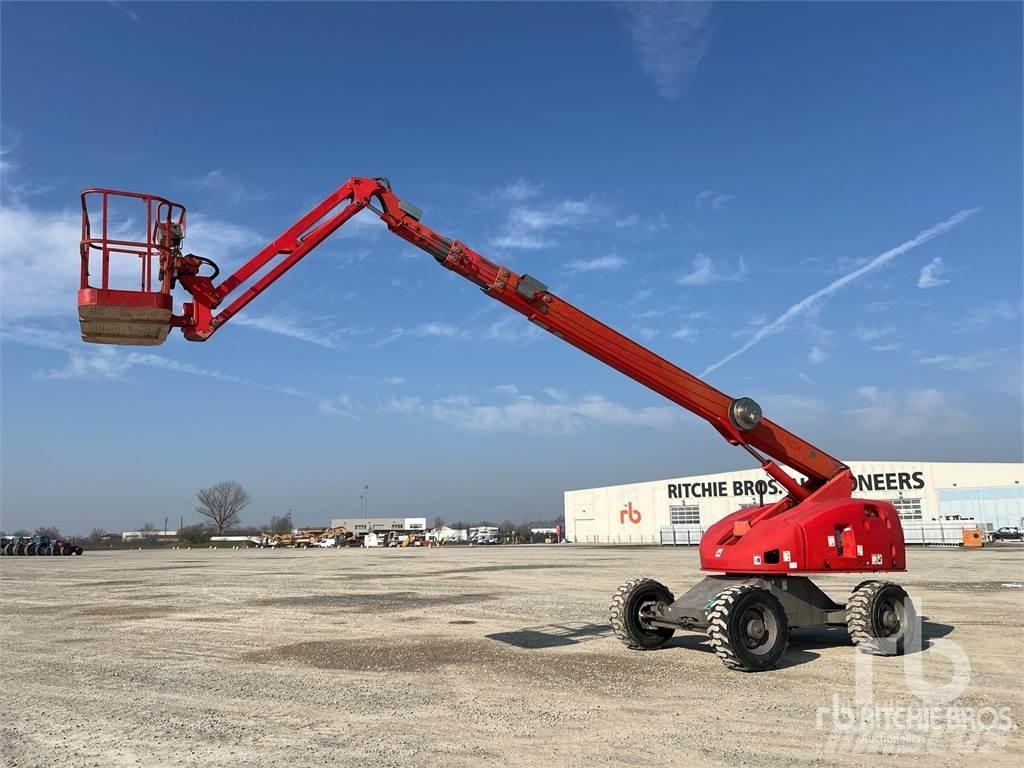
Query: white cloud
[817,355]
[424,330]
[805,378]
[39,260]
[93,361]
[709,198]
[533,228]
[911,414]
[869,393]
[900,415]
[872,334]
[556,394]
[641,296]
[972,362]
[222,241]
[39,263]
[989,314]
[892,346]
[512,329]
[634,222]
[286,325]
[810,303]
[99,363]
[597,264]
[525,414]
[706,271]
[516,190]
[227,187]
[930,274]
[647,333]
[506,389]
[340,405]
[671,38]
[686,333]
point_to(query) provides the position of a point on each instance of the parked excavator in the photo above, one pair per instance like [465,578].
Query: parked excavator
[757,558]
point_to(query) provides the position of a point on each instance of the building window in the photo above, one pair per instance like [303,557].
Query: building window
[688,514]
[414,525]
[360,527]
[908,509]
[379,527]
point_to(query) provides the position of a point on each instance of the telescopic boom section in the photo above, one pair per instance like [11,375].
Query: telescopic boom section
[739,421]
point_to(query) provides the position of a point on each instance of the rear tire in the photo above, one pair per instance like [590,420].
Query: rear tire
[632,598]
[880,618]
[748,628]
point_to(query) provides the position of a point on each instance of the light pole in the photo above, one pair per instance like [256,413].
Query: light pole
[366,501]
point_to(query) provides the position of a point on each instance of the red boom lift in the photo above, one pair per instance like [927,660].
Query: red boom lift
[759,556]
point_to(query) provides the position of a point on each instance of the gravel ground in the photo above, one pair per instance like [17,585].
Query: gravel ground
[458,657]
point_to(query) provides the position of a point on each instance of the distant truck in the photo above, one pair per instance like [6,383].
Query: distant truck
[1007,533]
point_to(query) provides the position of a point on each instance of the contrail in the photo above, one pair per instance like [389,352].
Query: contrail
[804,305]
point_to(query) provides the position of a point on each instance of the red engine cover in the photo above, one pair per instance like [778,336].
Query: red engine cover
[827,532]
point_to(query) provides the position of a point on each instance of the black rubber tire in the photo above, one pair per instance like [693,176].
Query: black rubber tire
[728,617]
[870,611]
[624,614]
[76,551]
[31,549]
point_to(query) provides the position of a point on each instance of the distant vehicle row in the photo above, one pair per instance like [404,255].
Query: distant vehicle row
[37,545]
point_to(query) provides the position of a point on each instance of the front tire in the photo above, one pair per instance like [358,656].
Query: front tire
[881,618]
[629,603]
[748,628]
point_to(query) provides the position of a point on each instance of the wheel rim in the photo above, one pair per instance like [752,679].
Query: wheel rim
[758,630]
[890,616]
[643,614]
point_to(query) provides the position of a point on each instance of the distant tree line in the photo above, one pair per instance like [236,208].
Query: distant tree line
[221,505]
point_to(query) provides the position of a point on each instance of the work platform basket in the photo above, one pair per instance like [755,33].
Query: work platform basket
[133,310]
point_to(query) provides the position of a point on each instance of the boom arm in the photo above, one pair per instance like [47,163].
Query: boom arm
[738,421]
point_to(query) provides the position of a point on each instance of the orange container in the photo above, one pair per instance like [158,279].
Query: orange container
[973,538]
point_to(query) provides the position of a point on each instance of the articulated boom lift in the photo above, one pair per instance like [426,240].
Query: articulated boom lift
[759,555]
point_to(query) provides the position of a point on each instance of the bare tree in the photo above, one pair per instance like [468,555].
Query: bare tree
[97,535]
[223,504]
[280,524]
[50,531]
[438,521]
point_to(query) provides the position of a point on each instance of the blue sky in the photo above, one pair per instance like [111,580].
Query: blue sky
[738,185]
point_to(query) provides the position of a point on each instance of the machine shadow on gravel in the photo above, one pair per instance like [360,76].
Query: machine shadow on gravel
[831,637]
[552,635]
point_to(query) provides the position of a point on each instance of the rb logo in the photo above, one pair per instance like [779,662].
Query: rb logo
[632,514]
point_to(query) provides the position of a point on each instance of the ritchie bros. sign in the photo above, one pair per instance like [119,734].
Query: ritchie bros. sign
[879,481]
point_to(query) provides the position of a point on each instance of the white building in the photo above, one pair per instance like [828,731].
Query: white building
[679,509]
[362,525]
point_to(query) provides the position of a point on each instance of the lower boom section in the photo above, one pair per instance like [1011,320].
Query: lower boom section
[748,617]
